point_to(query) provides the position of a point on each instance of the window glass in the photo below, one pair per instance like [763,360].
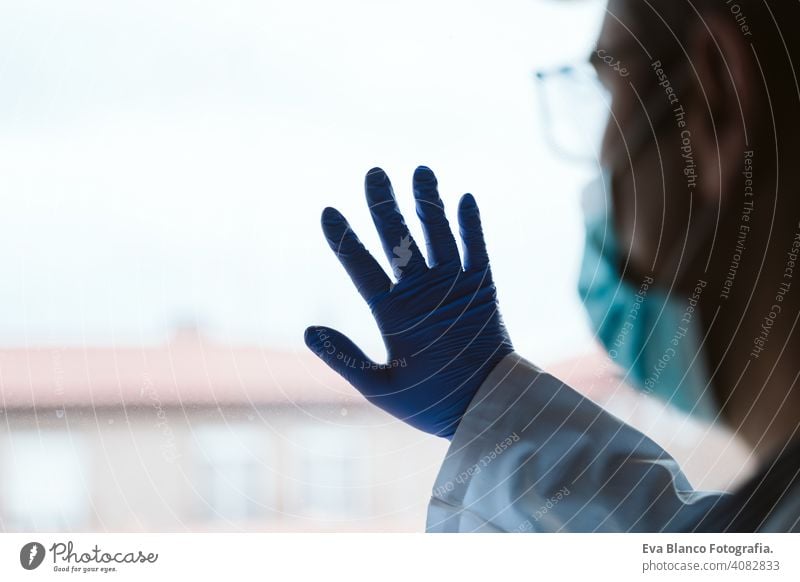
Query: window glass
[233,476]
[44,480]
[331,470]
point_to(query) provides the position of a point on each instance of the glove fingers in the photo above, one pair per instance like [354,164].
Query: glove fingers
[439,238]
[367,275]
[401,250]
[469,218]
[346,359]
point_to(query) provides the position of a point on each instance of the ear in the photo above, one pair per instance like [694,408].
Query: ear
[721,92]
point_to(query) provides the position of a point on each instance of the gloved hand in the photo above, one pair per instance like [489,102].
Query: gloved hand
[440,323]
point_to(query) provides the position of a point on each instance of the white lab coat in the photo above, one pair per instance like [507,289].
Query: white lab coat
[532,454]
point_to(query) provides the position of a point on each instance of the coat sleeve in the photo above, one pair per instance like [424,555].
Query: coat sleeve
[532,454]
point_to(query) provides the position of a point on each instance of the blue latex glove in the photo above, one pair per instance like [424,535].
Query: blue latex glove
[440,323]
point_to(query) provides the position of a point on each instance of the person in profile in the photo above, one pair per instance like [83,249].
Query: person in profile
[695,203]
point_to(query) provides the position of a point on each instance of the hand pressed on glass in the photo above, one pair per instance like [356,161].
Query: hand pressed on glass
[440,320]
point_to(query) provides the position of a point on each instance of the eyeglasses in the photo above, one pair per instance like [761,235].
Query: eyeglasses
[575,108]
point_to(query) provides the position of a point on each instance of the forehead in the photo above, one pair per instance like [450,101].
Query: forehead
[642,24]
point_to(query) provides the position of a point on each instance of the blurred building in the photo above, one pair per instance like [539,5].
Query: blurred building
[195,435]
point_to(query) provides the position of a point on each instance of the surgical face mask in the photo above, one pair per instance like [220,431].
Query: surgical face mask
[654,336]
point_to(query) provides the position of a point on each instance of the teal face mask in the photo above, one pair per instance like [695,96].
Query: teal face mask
[652,335]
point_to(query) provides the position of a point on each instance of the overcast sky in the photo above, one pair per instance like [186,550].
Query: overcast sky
[167,161]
